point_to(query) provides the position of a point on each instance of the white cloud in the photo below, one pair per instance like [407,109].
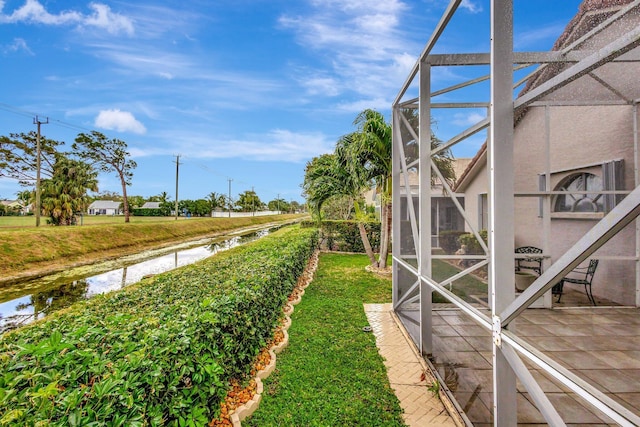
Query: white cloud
[33,12]
[122,121]
[18,44]
[365,41]
[471,6]
[469,119]
[362,104]
[276,145]
[102,17]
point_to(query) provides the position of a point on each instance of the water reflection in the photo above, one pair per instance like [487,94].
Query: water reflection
[18,311]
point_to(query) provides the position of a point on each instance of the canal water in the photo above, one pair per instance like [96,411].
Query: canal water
[24,302]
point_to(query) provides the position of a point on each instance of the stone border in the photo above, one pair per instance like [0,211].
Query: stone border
[246,410]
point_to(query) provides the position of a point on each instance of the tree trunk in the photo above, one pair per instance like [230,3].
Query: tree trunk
[386,229]
[125,202]
[383,237]
[367,244]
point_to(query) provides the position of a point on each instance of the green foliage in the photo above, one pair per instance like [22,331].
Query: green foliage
[18,156]
[158,353]
[471,243]
[331,374]
[449,240]
[249,202]
[344,236]
[65,193]
[149,212]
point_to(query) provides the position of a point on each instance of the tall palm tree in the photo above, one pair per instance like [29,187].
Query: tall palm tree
[65,193]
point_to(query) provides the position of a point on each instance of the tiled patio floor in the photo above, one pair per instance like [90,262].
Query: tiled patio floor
[405,371]
[600,344]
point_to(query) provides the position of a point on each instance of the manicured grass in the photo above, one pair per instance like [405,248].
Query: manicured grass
[331,373]
[58,247]
[464,287]
[30,220]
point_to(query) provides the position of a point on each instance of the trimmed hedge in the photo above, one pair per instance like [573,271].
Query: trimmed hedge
[158,353]
[344,236]
[150,212]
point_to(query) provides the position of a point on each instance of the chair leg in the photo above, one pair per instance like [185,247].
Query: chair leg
[587,290]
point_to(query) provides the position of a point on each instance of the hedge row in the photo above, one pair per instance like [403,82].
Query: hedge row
[158,353]
[344,236]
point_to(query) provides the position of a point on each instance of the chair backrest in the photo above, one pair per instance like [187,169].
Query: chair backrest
[528,250]
[591,270]
[534,264]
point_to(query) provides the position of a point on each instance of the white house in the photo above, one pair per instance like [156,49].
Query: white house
[105,207]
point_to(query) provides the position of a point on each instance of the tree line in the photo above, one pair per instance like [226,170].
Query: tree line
[68,177]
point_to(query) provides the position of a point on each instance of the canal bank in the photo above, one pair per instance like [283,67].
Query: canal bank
[33,299]
[31,253]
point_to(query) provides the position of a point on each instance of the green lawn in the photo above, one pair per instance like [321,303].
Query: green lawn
[464,287]
[30,220]
[331,373]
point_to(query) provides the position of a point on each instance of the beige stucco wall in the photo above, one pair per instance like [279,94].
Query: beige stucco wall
[478,186]
[580,137]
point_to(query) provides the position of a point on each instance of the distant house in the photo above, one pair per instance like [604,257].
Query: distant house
[105,207]
[14,205]
[151,205]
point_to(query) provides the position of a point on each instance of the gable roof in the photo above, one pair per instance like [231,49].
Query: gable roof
[151,205]
[105,204]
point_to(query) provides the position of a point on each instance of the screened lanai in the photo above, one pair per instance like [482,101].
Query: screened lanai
[558,171]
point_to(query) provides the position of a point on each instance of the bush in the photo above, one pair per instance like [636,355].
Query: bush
[344,236]
[161,352]
[449,240]
[150,212]
[473,247]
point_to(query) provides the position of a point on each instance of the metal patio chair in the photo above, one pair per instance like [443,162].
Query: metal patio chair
[581,276]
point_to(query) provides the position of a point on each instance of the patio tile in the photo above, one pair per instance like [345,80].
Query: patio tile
[546,384]
[553,343]
[571,411]
[527,411]
[621,330]
[452,343]
[632,400]
[580,360]
[532,330]
[569,330]
[620,359]
[613,380]
[445,331]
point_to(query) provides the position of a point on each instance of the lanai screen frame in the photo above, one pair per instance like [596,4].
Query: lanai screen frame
[415,284]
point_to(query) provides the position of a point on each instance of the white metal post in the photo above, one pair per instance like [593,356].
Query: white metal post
[424,134]
[395,206]
[501,245]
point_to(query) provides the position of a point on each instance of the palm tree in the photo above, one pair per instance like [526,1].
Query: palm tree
[65,193]
[25,197]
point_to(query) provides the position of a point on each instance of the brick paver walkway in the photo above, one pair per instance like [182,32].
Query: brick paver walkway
[408,376]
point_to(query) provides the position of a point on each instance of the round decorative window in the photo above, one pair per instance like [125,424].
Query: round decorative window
[579,202]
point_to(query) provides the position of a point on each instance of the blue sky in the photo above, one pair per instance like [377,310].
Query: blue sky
[247,90]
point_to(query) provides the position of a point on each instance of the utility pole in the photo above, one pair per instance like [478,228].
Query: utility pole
[229,201]
[177,162]
[37,121]
[278,200]
[253,201]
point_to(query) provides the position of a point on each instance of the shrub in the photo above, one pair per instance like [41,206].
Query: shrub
[473,247]
[161,352]
[344,236]
[449,240]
